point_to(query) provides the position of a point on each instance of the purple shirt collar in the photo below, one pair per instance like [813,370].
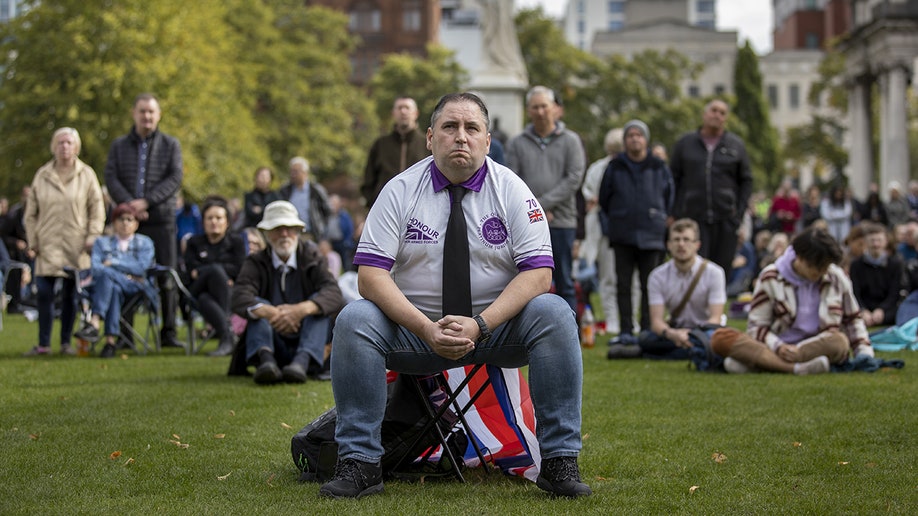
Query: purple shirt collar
[473,183]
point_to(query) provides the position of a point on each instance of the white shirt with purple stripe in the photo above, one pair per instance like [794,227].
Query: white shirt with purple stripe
[404,231]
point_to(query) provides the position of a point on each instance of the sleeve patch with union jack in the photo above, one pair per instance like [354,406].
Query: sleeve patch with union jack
[536,216]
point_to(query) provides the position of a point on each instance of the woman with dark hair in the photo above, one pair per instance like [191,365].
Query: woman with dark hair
[64,215]
[836,210]
[874,210]
[212,261]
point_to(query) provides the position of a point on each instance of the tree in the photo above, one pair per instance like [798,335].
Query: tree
[423,79]
[751,108]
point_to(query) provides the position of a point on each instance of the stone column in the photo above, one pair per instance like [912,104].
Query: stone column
[894,162]
[860,158]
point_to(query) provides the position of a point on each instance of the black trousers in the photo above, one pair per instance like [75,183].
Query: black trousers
[628,257]
[212,291]
[718,243]
[164,240]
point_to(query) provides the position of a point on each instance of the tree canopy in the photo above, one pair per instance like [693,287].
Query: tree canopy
[241,84]
[751,108]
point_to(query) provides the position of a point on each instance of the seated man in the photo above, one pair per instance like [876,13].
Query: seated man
[288,296]
[804,315]
[414,262]
[686,274]
[119,266]
[876,278]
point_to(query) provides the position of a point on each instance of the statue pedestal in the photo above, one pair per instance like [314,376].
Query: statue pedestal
[504,94]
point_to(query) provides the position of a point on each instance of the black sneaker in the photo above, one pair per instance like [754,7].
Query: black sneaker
[560,476]
[267,371]
[108,351]
[617,351]
[87,332]
[353,479]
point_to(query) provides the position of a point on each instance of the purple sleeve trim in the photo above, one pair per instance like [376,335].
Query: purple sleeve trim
[536,262]
[373,261]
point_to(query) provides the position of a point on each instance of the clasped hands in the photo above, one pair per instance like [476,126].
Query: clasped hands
[452,337]
[285,319]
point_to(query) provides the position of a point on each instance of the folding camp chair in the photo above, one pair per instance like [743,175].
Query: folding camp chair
[5,276]
[188,305]
[437,415]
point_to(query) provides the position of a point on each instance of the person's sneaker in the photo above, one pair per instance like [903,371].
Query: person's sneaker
[353,479]
[68,351]
[294,373]
[733,366]
[560,476]
[617,351]
[37,351]
[87,332]
[108,351]
[815,366]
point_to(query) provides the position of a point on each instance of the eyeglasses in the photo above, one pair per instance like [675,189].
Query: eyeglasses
[682,240]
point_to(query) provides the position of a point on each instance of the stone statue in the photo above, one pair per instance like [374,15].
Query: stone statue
[500,48]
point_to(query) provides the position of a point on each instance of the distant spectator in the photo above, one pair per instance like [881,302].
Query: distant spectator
[897,209]
[777,244]
[811,207]
[876,278]
[907,247]
[309,198]
[188,221]
[873,210]
[260,196]
[785,209]
[836,209]
[340,233]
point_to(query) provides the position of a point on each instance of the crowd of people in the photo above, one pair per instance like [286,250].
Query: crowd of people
[266,271]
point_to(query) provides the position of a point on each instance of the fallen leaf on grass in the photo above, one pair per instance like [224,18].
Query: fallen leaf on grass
[718,457]
[285,425]
[34,437]
[232,412]
[585,436]
[176,436]
[114,455]
[270,479]
[600,479]
[224,476]
[692,489]
[129,461]
[843,463]
[871,465]
[797,444]
[219,436]
[124,356]
[179,444]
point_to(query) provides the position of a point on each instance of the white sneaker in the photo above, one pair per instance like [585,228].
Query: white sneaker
[816,366]
[734,366]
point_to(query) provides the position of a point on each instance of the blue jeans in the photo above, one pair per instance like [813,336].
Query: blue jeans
[543,335]
[109,290]
[45,286]
[311,340]
[562,245]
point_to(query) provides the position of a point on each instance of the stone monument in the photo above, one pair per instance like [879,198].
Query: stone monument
[500,77]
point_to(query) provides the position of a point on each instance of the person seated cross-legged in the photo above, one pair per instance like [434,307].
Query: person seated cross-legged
[119,265]
[804,315]
[288,296]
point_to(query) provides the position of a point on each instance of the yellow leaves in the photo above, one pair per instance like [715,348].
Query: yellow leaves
[797,444]
[114,455]
[843,463]
[232,412]
[34,437]
[129,461]
[692,489]
[223,477]
[176,437]
[286,426]
[219,436]
[718,457]
[179,444]
[270,479]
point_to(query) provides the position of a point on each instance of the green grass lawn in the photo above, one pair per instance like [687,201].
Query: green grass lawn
[658,439]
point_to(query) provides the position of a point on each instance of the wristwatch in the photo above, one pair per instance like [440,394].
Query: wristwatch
[485,332]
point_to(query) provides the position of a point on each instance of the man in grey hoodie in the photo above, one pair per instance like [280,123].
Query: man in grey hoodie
[550,159]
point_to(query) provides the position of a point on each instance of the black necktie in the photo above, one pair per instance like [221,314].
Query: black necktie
[457,288]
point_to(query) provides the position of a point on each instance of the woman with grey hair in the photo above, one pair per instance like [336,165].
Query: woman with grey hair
[64,215]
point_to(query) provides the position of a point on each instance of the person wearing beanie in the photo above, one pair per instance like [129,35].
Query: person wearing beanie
[636,196]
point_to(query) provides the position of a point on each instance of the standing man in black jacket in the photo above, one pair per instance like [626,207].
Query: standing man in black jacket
[396,151]
[144,169]
[713,183]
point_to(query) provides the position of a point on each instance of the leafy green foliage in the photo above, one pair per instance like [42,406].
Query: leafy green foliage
[423,79]
[241,84]
[600,94]
[751,107]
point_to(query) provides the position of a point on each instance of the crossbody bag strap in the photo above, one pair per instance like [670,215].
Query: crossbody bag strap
[688,293]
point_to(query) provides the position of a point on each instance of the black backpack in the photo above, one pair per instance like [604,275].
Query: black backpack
[315,451]
[701,355]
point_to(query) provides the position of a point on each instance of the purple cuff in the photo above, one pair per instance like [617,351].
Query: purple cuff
[373,260]
[536,262]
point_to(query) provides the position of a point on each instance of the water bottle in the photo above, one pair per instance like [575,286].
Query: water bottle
[587,328]
[82,348]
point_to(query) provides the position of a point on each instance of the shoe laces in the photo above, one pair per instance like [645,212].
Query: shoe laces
[562,468]
[348,469]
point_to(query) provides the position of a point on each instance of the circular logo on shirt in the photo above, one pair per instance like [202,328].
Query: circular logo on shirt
[493,232]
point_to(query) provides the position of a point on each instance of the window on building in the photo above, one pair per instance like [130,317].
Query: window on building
[365,17]
[580,6]
[773,96]
[719,89]
[411,15]
[616,25]
[581,27]
[693,91]
[793,96]
[616,6]
[811,41]
[706,24]
[810,4]
[705,6]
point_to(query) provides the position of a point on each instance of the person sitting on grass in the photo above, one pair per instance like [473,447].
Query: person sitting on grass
[804,315]
[119,265]
[288,296]
[686,274]
[876,277]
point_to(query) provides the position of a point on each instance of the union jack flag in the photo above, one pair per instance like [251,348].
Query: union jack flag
[535,216]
